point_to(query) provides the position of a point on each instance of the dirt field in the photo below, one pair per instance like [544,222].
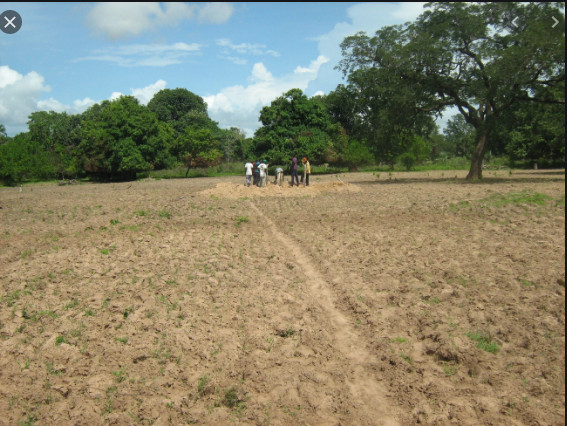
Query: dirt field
[401,298]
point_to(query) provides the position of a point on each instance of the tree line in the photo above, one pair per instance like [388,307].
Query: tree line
[500,65]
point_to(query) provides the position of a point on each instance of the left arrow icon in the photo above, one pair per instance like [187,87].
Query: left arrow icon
[514,22]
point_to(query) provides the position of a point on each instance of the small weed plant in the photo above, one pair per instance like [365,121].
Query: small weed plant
[484,341]
[240,220]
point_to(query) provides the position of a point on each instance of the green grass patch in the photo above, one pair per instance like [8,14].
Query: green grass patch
[119,375]
[165,213]
[72,304]
[484,341]
[459,206]
[107,251]
[241,219]
[202,385]
[527,283]
[517,198]
[289,332]
[11,298]
[450,370]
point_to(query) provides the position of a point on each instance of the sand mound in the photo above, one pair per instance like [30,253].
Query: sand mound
[231,190]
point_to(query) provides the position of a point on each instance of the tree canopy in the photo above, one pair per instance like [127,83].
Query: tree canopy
[119,138]
[468,55]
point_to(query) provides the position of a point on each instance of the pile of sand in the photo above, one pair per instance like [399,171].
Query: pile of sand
[231,190]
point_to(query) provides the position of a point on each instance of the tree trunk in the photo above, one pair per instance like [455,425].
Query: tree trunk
[475,171]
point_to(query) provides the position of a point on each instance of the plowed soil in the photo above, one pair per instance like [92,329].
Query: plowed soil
[363,299]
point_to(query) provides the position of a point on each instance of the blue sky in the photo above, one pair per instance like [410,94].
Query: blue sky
[237,56]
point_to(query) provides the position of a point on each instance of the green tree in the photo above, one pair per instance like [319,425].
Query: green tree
[418,151]
[120,138]
[468,55]
[59,134]
[377,108]
[231,141]
[534,132]
[292,125]
[3,134]
[460,137]
[170,105]
[22,159]
[200,148]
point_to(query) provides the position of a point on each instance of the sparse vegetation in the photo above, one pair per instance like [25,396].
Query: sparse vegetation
[241,219]
[484,341]
[199,317]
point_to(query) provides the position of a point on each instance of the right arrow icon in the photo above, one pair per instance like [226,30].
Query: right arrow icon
[555,21]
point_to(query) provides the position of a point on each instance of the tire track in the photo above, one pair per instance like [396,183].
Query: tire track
[375,405]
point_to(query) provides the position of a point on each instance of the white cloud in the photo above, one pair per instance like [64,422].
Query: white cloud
[409,11]
[247,48]
[120,20]
[115,95]
[215,13]
[77,107]
[240,106]
[260,73]
[313,67]
[51,105]
[242,49]
[367,17]
[133,55]
[145,94]
[234,59]
[18,97]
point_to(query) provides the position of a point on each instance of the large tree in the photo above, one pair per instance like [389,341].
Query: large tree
[293,124]
[172,104]
[482,58]
[59,134]
[179,108]
[21,158]
[120,138]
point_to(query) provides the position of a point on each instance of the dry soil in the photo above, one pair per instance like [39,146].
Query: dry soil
[363,299]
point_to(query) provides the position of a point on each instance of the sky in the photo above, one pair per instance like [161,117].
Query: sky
[238,57]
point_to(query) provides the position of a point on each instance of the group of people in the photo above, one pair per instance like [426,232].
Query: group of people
[257,173]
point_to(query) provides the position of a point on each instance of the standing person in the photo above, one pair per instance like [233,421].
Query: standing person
[279,176]
[256,173]
[263,175]
[294,171]
[248,166]
[306,170]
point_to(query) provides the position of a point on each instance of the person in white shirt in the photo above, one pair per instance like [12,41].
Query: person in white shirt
[248,166]
[263,175]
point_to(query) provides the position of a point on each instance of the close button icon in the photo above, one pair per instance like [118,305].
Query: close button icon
[10,21]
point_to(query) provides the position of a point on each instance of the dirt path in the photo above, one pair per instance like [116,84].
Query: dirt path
[362,382]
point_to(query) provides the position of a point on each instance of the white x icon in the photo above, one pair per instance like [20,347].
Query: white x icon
[9,22]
